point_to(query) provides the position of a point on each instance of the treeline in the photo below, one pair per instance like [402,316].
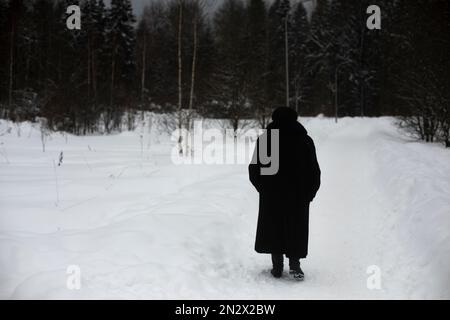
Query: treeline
[178,56]
[72,78]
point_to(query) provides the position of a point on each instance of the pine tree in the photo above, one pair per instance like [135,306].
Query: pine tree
[231,86]
[99,62]
[12,38]
[98,47]
[423,82]
[320,42]
[91,52]
[121,40]
[300,73]
[258,60]
[278,15]
[205,69]
[65,108]
[4,56]
[156,29]
[358,57]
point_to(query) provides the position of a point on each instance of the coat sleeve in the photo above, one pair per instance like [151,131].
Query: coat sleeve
[315,170]
[254,169]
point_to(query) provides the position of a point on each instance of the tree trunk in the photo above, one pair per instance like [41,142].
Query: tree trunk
[194,59]
[144,60]
[89,75]
[194,64]
[11,63]
[113,67]
[94,76]
[109,115]
[286,44]
[362,98]
[180,74]
[361,61]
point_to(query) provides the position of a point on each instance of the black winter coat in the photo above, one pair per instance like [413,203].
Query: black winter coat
[283,219]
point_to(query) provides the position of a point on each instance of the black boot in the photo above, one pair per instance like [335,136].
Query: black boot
[277,263]
[294,269]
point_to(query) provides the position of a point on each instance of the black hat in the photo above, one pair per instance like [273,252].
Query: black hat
[284,114]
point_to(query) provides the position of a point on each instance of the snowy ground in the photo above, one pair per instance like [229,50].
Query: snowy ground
[141,227]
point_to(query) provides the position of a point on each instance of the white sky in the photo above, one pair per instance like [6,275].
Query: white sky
[138,5]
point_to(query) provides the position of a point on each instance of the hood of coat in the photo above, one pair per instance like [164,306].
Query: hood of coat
[286,118]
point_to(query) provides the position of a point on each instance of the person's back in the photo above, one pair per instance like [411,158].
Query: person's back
[285,195]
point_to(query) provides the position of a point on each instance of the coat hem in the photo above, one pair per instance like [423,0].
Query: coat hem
[301,256]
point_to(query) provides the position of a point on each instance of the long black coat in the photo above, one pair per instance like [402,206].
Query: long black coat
[283,219]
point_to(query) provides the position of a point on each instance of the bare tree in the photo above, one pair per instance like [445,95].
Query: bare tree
[195,18]
[15,7]
[444,125]
[425,95]
[144,61]
[143,33]
[197,8]
[180,75]
[11,65]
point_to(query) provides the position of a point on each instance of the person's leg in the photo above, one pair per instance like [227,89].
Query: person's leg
[277,260]
[295,270]
[277,263]
[294,263]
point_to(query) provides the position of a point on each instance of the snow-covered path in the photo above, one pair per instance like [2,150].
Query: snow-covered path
[141,227]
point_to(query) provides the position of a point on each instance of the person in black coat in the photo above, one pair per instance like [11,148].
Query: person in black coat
[286,192]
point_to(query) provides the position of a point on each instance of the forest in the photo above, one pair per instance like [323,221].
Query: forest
[180,56]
